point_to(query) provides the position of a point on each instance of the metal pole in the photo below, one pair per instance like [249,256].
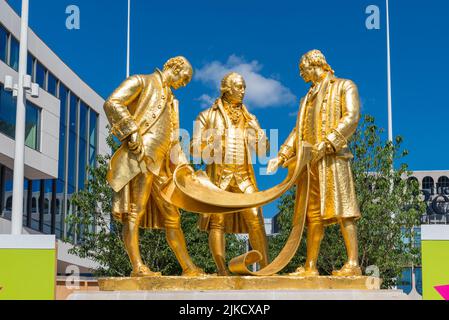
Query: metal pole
[17,205]
[128,46]
[390,109]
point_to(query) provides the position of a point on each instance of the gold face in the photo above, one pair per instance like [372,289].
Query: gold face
[182,78]
[236,92]
[306,70]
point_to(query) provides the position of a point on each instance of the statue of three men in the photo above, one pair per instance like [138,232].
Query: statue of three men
[144,117]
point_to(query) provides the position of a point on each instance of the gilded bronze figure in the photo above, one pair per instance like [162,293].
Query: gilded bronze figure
[144,117]
[231,134]
[329,116]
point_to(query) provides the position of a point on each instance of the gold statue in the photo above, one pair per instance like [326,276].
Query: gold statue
[236,132]
[144,117]
[329,116]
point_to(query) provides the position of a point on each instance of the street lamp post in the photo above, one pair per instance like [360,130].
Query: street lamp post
[17,205]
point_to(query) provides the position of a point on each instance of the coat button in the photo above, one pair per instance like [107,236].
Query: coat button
[154,116]
[159,107]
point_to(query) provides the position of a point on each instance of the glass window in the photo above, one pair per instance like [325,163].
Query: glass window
[7,113]
[3,43]
[70,229]
[32,126]
[82,151]
[428,184]
[83,121]
[62,132]
[72,156]
[14,54]
[30,65]
[82,164]
[60,189]
[73,112]
[35,205]
[93,120]
[52,84]
[7,194]
[71,160]
[48,195]
[40,75]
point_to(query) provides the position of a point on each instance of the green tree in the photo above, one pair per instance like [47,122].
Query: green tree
[100,235]
[390,203]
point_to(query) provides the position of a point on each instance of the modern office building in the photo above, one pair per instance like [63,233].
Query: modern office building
[65,131]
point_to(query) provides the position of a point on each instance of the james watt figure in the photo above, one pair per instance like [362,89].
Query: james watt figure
[143,115]
[328,118]
[230,130]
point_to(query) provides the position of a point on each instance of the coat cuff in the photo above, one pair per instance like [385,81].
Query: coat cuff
[337,140]
[124,128]
[286,152]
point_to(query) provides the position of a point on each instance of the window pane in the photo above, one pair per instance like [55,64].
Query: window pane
[30,65]
[7,113]
[73,112]
[62,132]
[92,157]
[14,55]
[40,74]
[71,160]
[93,128]
[82,164]
[3,43]
[47,206]
[7,195]
[52,84]
[60,189]
[32,126]
[83,121]
[93,120]
[35,205]
[63,92]
[70,210]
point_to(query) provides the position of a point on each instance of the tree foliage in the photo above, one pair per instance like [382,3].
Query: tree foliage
[390,203]
[100,236]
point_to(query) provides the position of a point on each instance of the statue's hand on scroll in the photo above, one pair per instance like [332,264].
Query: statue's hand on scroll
[274,164]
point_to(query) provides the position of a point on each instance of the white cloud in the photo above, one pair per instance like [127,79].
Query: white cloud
[261,92]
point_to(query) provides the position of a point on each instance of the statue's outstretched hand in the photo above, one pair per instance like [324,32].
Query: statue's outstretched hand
[274,164]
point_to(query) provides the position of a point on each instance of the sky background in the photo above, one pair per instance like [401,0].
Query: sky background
[264,41]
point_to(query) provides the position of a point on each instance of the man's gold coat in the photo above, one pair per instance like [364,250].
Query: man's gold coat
[217,121]
[337,113]
[138,105]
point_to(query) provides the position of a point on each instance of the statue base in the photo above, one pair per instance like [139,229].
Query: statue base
[213,283]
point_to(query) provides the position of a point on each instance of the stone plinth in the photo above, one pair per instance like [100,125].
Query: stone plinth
[212,283]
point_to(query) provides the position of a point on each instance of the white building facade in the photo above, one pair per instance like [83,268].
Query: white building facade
[65,131]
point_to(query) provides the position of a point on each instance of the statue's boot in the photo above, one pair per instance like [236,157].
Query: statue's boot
[303,272]
[348,270]
[131,241]
[144,271]
[177,243]
[217,245]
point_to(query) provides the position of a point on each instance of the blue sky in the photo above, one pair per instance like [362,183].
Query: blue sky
[264,40]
